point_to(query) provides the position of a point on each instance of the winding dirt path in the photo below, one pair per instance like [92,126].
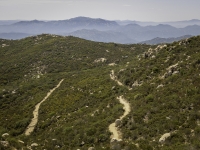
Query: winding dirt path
[34,120]
[116,134]
[113,77]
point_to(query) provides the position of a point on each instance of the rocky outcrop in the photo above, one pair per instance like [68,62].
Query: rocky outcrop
[137,83]
[183,42]
[164,137]
[151,53]
[4,144]
[118,122]
[100,60]
[171,70]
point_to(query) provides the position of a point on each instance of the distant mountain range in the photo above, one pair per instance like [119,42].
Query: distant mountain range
[177,24]
[164,40]
[100,30]
[103,36]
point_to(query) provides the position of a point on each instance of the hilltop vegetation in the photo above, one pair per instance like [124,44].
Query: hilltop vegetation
[163,82]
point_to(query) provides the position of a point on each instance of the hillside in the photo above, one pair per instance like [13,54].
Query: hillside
[83,85]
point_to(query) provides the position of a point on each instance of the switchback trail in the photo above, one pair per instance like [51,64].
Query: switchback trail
[34,120]
[116,134]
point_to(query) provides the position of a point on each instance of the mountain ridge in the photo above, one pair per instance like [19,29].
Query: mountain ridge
[107,29]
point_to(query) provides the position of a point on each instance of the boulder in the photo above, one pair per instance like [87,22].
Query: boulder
[118,122]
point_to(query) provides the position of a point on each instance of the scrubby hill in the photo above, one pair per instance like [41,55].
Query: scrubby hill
[165,96]
[76,114]
[160,82]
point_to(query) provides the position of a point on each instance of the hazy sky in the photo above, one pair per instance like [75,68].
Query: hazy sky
[141,10]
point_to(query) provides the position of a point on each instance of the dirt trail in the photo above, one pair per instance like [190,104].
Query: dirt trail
[113,77]
[34,120]
[116,134]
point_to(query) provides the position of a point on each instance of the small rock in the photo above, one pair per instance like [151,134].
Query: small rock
[82,143]
[175,72]
[57,117]
[4,135]
[113,88]
[21,141]
[57,146]
[91,148]
[34,145]
[159,86]
[164,137]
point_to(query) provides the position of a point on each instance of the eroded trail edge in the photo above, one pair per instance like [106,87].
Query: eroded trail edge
[116,134]
[34,120]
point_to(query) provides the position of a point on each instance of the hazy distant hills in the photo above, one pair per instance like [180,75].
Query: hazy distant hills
[103,36]
[165,40]
[140,33]
[178,24]
[62,26]
[100,30]
[14,35]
